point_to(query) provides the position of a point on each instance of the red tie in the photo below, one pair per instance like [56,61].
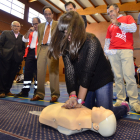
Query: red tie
[46,35]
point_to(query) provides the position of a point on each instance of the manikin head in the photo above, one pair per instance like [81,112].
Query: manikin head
[104,121]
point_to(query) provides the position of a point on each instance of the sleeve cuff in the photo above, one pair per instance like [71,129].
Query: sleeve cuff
[25,40]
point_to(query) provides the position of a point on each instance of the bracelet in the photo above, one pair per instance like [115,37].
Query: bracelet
[72,96]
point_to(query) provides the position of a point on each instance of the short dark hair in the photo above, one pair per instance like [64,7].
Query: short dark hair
[68,3]
[39,21]
[45,7]
[114,5]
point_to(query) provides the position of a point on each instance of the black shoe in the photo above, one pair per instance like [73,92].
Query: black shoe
[20,95]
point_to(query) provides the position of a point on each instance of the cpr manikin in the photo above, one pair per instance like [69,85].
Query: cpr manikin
[71,121]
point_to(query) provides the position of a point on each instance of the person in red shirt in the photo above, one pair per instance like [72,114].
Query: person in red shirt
[119,49]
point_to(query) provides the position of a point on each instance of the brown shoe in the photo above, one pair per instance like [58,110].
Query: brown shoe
[10,94]
[36,98]
[53,99]
[2,95]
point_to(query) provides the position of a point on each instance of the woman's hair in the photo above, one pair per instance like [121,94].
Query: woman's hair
[73,23]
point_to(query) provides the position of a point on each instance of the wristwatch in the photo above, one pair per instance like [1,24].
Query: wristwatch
[119,24]
[80,101]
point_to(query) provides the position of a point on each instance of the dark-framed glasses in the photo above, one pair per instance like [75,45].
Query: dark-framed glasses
[34,24]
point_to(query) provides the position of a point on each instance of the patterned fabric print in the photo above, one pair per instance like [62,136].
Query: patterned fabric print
[15,119]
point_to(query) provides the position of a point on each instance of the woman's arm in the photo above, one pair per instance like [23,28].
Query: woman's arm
[82,93]
[70,83]
[69,75]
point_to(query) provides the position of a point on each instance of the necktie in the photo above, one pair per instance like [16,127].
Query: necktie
[46,35]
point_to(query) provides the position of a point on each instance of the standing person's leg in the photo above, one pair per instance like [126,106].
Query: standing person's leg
[104,96]
[116,65]
[53,66]
[3,76]
[12,71]
[128,72]
[41,71]
[139,78]
[28,74]
[35,75]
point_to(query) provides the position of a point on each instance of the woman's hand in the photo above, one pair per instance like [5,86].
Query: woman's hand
[70,103]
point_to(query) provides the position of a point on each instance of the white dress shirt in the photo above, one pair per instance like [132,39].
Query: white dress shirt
[33,42]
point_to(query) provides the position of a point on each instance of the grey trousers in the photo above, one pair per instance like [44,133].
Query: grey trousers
[123,67]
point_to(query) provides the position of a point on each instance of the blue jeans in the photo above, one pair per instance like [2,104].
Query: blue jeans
[104,97]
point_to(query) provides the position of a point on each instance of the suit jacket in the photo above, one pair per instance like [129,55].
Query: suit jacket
[41,28]
[11,47]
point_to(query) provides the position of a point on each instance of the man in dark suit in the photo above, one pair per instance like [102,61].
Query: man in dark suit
[70,6]
[44,37]
[11,55]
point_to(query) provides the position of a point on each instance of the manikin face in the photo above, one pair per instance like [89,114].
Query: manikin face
[99,109]
[100,113]
[48,15]
[70,8]
[112,12]
[15,27]
[35,24]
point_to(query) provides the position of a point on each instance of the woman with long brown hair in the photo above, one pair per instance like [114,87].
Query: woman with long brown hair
[87,72]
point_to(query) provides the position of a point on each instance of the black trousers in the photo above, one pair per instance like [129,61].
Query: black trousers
[30,72]
[139,79]
[136,76]
[8,71]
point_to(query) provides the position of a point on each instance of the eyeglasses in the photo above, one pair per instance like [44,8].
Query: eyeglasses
[34,24]
[16,26]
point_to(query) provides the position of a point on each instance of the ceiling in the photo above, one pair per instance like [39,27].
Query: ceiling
[95,10]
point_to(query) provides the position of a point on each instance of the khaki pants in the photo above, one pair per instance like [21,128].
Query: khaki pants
[123,67]
[53,65]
